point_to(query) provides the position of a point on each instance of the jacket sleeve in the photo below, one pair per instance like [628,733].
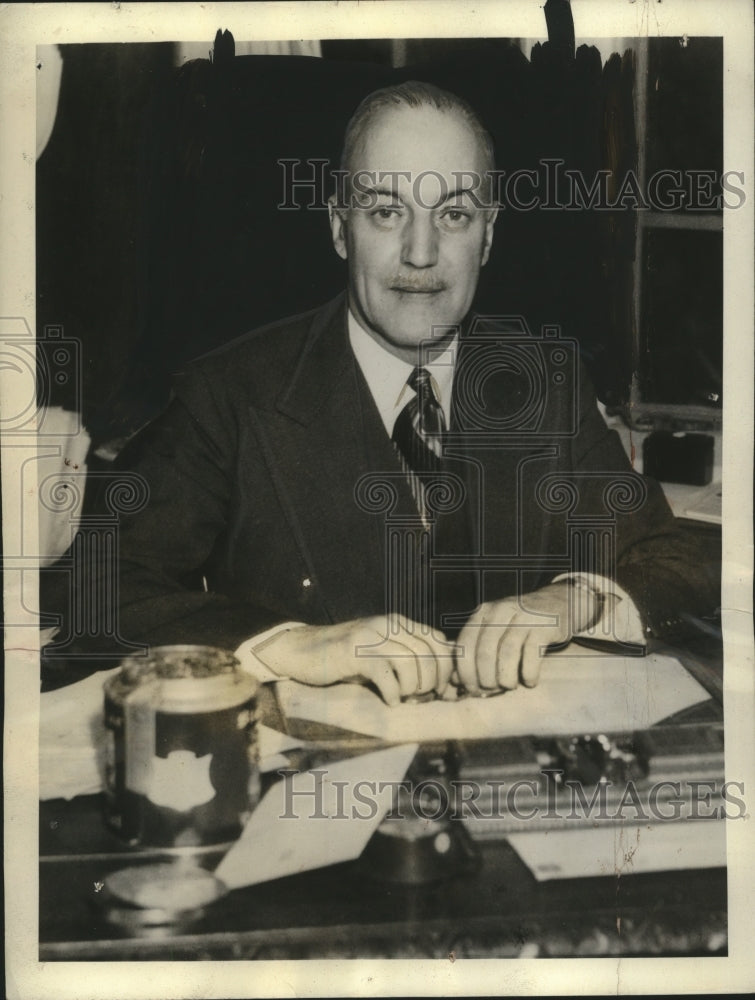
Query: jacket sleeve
[184,464]
[669,568]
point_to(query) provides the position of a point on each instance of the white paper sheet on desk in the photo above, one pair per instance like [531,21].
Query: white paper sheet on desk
[72,740]
[578,692]
[311,819]
[622,849]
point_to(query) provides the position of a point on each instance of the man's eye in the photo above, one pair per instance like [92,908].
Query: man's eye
[384,212]
[456,216]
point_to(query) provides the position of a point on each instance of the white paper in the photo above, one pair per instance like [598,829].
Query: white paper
[311,819]
[578,692]
[72,738]
[622,849]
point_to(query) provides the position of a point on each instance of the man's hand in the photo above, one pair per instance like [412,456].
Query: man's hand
[408,661]
[504,641]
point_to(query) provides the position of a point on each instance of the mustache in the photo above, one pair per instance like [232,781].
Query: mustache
[404,283]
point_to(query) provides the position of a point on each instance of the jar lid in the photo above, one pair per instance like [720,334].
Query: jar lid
[183,678]
[178,662]
[160,893]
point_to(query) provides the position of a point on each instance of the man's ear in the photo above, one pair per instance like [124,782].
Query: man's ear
[488,241]
[337,217]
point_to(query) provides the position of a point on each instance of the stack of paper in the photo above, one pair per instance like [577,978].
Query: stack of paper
[579,692]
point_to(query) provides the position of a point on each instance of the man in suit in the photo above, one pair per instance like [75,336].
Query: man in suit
[383,490]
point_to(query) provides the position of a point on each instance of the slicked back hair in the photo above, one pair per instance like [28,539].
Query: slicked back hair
[413,94]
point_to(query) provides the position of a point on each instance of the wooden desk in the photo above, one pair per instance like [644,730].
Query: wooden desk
[497,911]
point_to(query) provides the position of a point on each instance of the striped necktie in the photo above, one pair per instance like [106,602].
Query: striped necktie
[418,436]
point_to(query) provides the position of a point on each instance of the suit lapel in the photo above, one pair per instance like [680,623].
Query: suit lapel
[326,437]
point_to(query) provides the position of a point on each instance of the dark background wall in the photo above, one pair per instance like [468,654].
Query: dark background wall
[158,227]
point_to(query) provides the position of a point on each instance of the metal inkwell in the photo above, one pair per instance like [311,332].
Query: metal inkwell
[182,766]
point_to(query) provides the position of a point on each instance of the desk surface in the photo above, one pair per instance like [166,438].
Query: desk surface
[494,909]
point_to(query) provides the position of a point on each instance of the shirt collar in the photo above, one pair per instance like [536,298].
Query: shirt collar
[386,374]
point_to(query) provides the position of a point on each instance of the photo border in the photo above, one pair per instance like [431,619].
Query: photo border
[27,25]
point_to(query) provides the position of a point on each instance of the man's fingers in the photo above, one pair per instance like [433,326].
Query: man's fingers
[445,669]
[428,659]
[381,674]
[524,661]
[479,645]
[509,654]
[532,661]
[417,672]
[413,666]
[465,655]
[434,656]
[497,649]
[490,636]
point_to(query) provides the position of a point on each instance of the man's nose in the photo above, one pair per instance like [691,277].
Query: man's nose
[420,246]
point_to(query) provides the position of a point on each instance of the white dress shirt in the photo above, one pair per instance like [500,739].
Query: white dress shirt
[386,375]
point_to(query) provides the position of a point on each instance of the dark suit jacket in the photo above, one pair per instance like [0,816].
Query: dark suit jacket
[261,479]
